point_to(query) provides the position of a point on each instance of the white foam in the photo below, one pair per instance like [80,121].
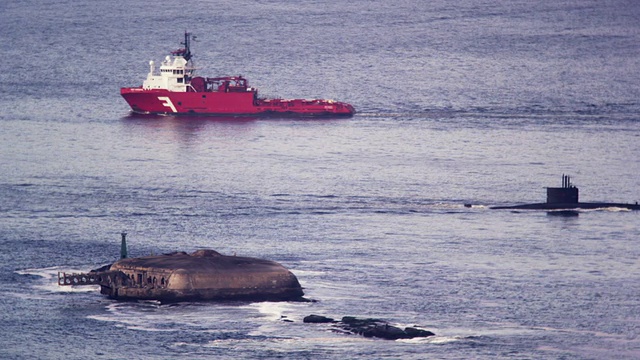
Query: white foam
[435,339]
[153,317]
[49,280]
[272,310]
[309,272]
[610,209]
[49,272]
[134,316]
[616,209]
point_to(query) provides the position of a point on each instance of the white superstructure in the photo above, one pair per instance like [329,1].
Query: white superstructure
[175,75]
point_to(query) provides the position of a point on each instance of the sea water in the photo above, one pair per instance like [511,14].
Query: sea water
[468,102]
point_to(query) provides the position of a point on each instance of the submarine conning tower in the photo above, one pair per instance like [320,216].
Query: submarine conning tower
[567,194]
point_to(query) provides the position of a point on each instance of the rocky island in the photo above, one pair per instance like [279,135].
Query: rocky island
[200,276]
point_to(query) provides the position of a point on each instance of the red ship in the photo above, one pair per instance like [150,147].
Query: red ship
[176,91]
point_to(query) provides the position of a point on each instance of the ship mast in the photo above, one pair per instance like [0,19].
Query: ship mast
[187,46]
[186,51]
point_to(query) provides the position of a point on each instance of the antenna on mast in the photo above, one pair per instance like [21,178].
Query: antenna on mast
[186,51]
[187,46]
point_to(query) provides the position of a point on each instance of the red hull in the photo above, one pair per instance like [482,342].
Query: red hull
[160,101]
[176,90]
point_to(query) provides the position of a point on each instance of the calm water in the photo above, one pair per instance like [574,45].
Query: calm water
[482,102]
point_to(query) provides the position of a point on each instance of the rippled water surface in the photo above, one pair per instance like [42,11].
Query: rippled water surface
[470,102]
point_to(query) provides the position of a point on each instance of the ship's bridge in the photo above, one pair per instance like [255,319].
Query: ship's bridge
[175,75]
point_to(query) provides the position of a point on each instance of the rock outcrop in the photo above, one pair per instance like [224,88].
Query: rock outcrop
[370,327]
[202,275]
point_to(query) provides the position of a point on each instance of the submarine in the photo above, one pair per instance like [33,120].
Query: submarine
[204,275]
[566,197]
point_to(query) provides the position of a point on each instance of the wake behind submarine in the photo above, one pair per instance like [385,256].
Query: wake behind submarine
[566,197]
[204,275]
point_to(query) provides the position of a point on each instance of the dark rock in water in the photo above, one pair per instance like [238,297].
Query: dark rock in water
[413,332]
[317,319]
[370,328]
[384,331]
[284,318]
[355,322]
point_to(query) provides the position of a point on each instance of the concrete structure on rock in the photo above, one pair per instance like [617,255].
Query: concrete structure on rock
[202,275]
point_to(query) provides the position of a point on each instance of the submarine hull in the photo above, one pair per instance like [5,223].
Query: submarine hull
[566,198]
[560,206]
